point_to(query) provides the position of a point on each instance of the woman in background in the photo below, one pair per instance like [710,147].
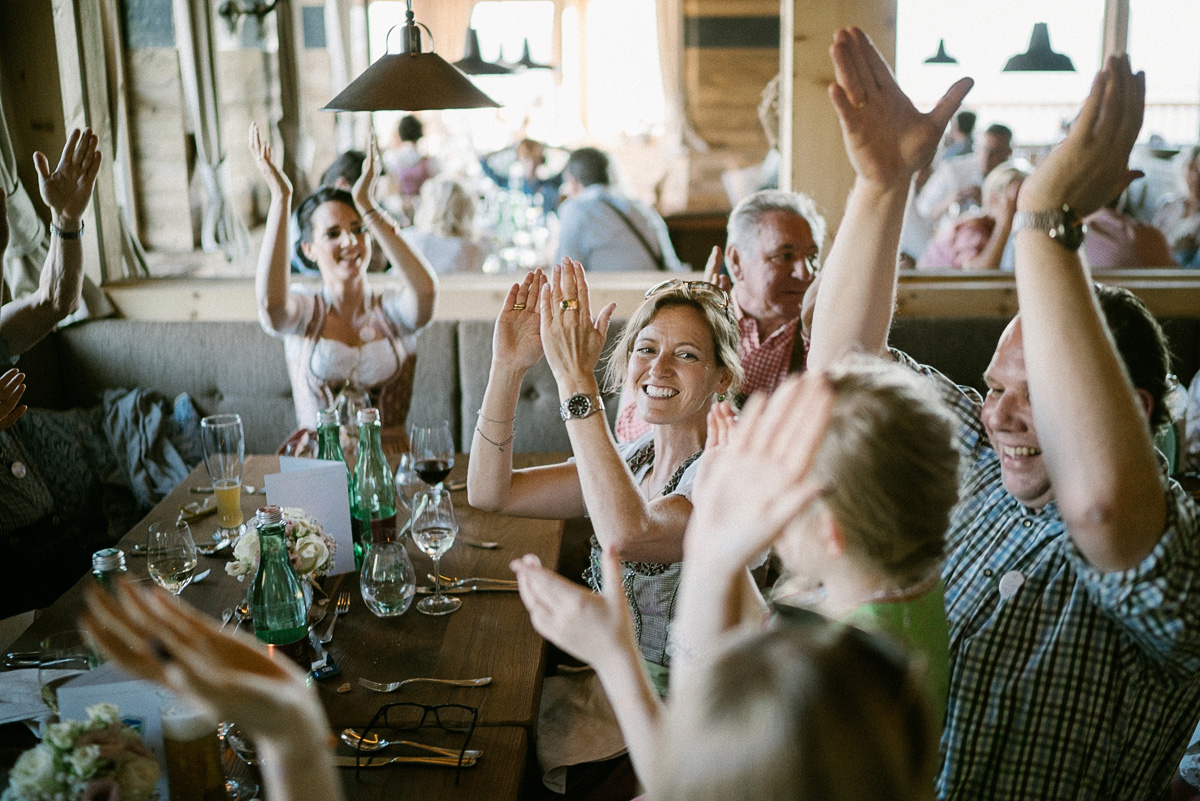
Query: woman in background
[443,231]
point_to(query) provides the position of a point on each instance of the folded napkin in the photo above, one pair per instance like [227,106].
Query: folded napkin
[21,695]
[576,724]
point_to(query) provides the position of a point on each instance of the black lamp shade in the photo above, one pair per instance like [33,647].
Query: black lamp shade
[941,57]
[1039,57]
[528,63]
[410,82]
[473,64]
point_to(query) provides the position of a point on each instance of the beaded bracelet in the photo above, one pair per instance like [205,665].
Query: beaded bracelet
[61,234]
[499,445]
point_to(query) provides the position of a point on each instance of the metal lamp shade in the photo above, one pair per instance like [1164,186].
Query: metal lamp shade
[473,64]
[410,82]
[941,57]
[1039,57]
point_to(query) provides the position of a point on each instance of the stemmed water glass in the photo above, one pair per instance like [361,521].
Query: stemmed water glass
[434,528]
[171,555]
[432,450]
[225,455]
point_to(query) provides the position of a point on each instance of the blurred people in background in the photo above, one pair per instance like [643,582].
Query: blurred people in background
[1179,218]
[956,183]
[1118,241]
[410,168]
[980,241]
[535,178]
[604,229]
[960,136]
[444,229]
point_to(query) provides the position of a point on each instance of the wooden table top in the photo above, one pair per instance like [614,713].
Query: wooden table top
[489,636]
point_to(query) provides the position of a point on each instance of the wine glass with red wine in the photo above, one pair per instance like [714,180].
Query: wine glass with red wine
[432,452]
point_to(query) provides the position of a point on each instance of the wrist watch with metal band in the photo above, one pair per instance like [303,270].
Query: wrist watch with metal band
[580,405]
[1062,225]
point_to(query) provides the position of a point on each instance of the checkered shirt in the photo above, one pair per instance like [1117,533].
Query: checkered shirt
[766,365]
[23,499]
[1079,684]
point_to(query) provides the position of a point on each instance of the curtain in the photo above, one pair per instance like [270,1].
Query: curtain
[448,21]
[670,56]
[221,229]
[27,242]
[342,72]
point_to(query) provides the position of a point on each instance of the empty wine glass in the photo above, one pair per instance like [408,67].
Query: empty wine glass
[387,580]
[434,528]
[171,555]
[432,451]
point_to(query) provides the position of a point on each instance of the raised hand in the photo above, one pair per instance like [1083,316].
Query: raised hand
[572,340]
[758,480]
[1090,167]
[230,676]
[886,138]
[517,339]
[587,626]
[12,387]
[68,189]
[712,270]
[260,148]
[363,188]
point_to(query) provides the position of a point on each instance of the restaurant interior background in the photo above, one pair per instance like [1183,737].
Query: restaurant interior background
[670,87]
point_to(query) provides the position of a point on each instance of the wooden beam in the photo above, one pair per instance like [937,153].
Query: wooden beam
[79,37]
[813,158]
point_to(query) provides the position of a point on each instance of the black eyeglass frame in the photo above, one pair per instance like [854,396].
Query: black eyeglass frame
[425,710]
[703,288]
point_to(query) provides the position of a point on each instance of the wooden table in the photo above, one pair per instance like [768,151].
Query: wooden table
[489,636]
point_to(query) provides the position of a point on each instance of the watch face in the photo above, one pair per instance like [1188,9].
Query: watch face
[1069,232]
[579,405]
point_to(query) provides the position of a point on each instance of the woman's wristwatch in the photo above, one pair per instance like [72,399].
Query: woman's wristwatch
[1062,225]
[580,405]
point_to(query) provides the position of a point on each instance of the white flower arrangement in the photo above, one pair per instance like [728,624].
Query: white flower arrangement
[311,550]
[100,758]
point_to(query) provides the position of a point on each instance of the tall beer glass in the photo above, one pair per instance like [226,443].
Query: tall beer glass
[224,456]
[193,754]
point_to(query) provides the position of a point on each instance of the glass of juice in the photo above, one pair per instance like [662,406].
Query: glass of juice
[224,456]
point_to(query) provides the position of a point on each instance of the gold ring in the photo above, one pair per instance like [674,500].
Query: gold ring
[569,304]
[518,306]
[860,104]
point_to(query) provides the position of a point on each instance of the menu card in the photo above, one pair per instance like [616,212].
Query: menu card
[319,487]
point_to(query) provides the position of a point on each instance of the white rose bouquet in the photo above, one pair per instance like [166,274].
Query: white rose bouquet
[309,547]
[100,758]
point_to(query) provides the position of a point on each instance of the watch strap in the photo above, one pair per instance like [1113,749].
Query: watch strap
[595,403]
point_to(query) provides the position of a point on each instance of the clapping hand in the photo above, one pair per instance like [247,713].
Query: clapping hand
[756,479]
[886,138]
[1090,167]
[68,189]
[585,625]
[712,271]
[572,340]
[230,676]
[12,387]
[260,148]
[363,188]
[517,339]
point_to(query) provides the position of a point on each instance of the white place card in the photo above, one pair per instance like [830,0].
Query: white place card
[320,488]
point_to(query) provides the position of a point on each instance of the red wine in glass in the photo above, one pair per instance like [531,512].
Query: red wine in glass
[433,471]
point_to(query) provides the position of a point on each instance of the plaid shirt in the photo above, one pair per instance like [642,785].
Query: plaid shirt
[766,365]
[1066,682]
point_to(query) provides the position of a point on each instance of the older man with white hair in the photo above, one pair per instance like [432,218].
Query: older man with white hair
[772,252]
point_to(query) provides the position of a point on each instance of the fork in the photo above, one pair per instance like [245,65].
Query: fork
[392,686]
[343,606]
[450,582]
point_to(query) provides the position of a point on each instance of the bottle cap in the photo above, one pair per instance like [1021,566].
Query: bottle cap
[327,417]
[368,415]
[108,559]
[269,515]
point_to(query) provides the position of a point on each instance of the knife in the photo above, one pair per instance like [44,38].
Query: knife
[379,762]
[466,588]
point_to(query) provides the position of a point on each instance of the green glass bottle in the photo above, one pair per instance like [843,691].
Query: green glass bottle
[374,488]
[329,446]
[277,598]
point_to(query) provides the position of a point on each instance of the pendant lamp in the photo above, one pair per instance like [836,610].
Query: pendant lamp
[1039,57]
[410,81]
[528,63]
[941,57]
[473,64]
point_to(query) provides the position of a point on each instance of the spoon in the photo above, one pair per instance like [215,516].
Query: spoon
[354,739]
[226,616]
